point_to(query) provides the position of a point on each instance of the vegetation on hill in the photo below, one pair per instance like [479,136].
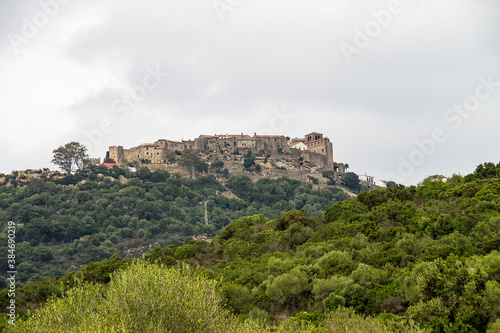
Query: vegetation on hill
[91,215]
[419,258]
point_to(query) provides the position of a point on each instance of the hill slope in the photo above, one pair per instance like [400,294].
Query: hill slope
[426,255]
[64,224]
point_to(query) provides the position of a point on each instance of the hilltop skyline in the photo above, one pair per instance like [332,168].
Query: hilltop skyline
[403,89]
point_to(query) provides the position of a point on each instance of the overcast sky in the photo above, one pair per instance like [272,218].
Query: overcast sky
[404,89]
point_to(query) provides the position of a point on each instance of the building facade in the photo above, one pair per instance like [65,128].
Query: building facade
[314,147]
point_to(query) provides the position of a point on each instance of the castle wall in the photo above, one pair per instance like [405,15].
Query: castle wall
[329,154]
[319,150]
[246,143]
[316,159]
[132,154]
[116,153]
[271,143]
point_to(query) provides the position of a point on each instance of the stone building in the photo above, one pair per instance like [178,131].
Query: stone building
[313,148]
[153,152]
[316,143]
[268,143]
[298,145]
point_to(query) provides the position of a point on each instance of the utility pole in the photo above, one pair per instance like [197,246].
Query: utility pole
[206,213]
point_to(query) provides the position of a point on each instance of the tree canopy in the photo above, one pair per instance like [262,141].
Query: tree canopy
[189,160]
[70,155]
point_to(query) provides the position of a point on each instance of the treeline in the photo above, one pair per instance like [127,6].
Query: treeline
[419,258]
[91,215]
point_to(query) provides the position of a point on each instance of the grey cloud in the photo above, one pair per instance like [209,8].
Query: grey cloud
[228,76]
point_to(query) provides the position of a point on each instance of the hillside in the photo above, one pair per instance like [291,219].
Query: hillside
[74,220]
[423,256]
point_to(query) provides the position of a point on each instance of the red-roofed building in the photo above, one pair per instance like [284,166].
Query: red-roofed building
[110,165]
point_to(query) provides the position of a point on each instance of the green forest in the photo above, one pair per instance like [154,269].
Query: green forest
[89,216]
[403,259]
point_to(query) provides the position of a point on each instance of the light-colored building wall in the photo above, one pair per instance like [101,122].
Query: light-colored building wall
[313,142]
[299,146]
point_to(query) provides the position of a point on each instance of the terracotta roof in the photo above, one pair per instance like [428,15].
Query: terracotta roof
[313,133]
[110,165]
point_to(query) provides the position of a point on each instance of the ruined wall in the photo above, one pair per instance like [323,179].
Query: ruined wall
[321,146]
[316,159]
[228,143]
[116,153]
[339,167]
[188,144]
[271,143]
[132,154]
[329,154]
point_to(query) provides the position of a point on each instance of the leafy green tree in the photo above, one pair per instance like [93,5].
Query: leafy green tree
[169,155]
[286,288]
[189,160]
[217,165]
[69,155]
[329,174]
[446,294]
[42,255]
[202,167]
[107,159]
[313,180]
[390,183]
[136,301]
[351,181]
[249,160]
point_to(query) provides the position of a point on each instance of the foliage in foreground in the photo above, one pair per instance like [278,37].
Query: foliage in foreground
[154,298]
[142,298]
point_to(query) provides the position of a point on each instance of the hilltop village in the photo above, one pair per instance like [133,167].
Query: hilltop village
[313,152]
[307,159]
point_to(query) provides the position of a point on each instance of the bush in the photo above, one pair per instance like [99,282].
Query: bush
[143,298]
[333,301]
[313,180]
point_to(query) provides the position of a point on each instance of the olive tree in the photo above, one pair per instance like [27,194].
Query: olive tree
[69,155]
